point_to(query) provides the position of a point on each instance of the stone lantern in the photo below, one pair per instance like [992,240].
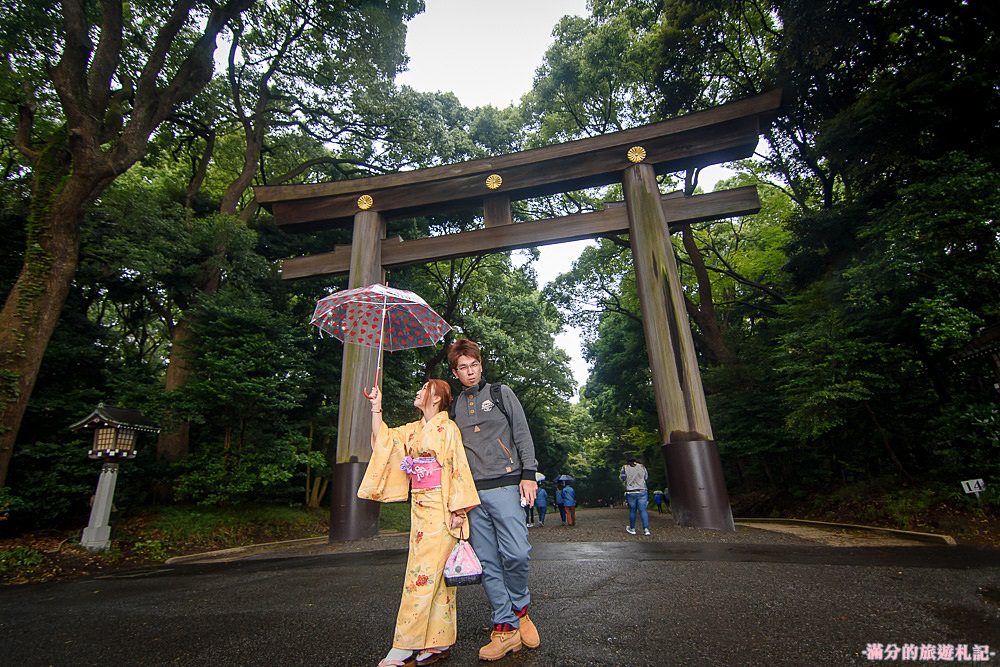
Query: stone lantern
[115,431]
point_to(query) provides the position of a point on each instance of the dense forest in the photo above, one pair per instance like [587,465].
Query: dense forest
[833,328]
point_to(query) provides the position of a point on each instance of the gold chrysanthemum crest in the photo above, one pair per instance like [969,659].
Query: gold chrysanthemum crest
[636,154]
[493,181]
[365,202]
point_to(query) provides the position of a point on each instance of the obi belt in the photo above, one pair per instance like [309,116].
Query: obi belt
[424,471]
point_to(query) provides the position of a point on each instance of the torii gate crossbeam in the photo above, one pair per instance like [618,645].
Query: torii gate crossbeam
[632,157]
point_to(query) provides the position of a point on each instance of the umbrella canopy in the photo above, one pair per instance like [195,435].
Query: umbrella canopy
[565,478]
[379,316]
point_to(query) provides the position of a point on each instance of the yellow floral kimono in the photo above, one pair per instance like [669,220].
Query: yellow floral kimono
[426,615]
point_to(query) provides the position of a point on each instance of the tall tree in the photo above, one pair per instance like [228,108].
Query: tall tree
[86,110]
[317,68]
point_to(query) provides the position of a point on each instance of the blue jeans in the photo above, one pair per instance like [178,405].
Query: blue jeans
[638,501]
[500,539]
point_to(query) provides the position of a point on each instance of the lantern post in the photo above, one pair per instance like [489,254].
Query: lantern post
[115,433]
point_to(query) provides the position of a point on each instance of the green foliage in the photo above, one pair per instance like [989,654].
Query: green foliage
[8,503]
[184,528]
[51,482]
[150,550]
[595,76]
[19,558]
[708,52]
[873,260]
[394,517]
[965,438]
[262,469]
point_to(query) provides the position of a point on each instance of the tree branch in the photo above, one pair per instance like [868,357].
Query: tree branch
[25,124]
[106,58]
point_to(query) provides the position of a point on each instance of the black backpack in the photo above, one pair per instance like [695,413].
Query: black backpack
[496,395]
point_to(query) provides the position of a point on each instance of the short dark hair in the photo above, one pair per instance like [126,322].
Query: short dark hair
[463,348]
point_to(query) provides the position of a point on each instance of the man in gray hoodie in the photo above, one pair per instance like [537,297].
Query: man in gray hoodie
[501,455]
[634,476]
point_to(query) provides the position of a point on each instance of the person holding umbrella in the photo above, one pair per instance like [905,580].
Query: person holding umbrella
[426,460]
[568,498]
[502,457]
[559,501]
[658,500]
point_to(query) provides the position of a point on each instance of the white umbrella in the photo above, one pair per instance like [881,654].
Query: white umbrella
[380,316]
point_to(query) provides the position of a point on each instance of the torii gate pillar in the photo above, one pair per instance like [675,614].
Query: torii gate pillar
[350,517]
[698,496]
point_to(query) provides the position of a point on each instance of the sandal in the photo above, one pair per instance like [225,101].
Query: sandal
[431,655]
[411,661]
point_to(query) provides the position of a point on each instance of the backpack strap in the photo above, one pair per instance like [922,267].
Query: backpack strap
[496,395]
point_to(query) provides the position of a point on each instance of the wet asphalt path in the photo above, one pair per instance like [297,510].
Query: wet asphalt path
[747,598]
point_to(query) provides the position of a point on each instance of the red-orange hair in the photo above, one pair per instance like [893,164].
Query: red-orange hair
[442,390]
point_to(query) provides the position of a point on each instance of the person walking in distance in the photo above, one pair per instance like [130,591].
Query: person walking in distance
[658,500]
[541,504]
[501,455]
[559,502]
[569,501]
[634,475]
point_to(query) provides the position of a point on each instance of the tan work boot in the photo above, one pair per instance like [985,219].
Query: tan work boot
[501,643]
[529,633]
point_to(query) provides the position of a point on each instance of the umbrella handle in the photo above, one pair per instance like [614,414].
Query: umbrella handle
[375,386]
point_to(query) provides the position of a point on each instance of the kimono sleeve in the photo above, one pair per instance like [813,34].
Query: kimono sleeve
[384,481]
[457,484]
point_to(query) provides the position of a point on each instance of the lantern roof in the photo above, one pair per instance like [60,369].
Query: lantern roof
[105,415]
[987,342]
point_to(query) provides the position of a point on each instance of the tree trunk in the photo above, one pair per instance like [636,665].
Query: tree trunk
[713,343]
[886,444]
[317,490]
[172,443]
[32,308]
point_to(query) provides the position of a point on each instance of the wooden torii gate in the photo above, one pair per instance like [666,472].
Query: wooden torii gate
[632,157]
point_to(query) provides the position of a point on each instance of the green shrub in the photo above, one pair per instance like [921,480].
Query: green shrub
[49,482]
[20,558]
[150,550]
[395,516]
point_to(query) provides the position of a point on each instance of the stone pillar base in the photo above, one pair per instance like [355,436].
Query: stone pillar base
[97,538]
[698,496]
[351,518]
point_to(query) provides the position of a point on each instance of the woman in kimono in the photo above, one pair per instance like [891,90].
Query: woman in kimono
[426,459]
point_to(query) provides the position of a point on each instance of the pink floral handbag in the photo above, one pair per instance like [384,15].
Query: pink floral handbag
[463,567]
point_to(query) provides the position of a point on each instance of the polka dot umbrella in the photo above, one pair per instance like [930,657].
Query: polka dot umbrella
[379,316]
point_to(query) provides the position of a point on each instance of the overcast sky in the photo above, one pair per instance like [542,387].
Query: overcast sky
[484,52]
